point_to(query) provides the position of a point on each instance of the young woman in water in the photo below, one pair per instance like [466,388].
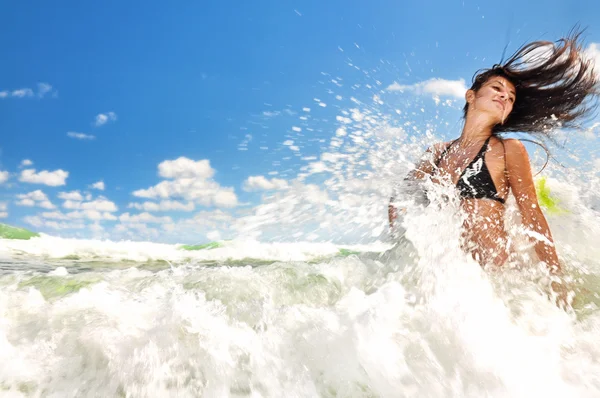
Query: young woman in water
[542,86]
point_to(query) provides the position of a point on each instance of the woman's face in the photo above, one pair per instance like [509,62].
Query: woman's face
[495,97]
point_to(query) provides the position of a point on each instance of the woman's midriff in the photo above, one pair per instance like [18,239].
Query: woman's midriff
[483,233]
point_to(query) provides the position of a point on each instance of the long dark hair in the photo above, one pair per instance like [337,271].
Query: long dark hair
[554,83]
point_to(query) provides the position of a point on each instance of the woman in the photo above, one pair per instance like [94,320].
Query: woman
[542,86]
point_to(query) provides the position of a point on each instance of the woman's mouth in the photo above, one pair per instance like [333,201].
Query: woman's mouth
[500,103]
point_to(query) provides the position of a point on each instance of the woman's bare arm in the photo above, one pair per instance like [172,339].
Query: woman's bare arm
[425,166]
[521,183]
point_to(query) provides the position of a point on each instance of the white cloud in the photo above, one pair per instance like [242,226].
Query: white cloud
[43,89]
[36,195]
[183,167]
[224,198]
[208,218]
[98,185]
[144,218]
[214,235]
[81,136]
[3,208]
[435,87]
[35,198]
[25,163]
[126,227]
[39,222]
[54,215]
[165,205]
[73,195]
[271,113]
[3,214]
[3,176]
[100,204]
[191,181]
[103,118]
[255,183]
[93,215]
[96,227]
[593,53]
[204,224]
[22,93]
[26,202]
[51,178]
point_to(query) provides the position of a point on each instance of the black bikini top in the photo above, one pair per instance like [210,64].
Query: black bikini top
[475,182]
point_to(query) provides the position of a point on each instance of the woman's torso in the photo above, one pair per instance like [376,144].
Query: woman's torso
[478,172]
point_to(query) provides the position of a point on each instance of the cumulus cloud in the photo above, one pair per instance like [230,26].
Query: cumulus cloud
[189,180]
[25,163]
[73,195]
[50,178]
[103,118]
[258,183]
[40,222]
[593,53]
[144,218]
[54,215]
[100,204]
[3,210]
[3,176]
[93,215]
[183,167]
[81,136]
[35,198]
[98,185]
[164,205]
[434,87]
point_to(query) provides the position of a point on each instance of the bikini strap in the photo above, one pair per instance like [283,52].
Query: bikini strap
[439,159]
[486,144]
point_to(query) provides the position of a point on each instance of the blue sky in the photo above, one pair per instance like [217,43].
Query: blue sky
[103,93]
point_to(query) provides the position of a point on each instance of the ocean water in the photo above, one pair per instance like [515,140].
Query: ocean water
[412,317]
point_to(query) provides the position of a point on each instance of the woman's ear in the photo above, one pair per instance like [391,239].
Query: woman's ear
[470,96]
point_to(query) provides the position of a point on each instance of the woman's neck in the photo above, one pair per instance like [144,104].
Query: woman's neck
[477,128]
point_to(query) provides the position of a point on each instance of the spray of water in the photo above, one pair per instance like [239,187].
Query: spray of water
[413,317]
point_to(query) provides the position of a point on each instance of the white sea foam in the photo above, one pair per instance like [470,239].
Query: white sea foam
[49,247]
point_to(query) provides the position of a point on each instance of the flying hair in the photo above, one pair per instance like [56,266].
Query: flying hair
[556,86]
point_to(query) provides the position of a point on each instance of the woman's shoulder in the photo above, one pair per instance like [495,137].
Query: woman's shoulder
[514,150]
[512,144]
[439,147]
